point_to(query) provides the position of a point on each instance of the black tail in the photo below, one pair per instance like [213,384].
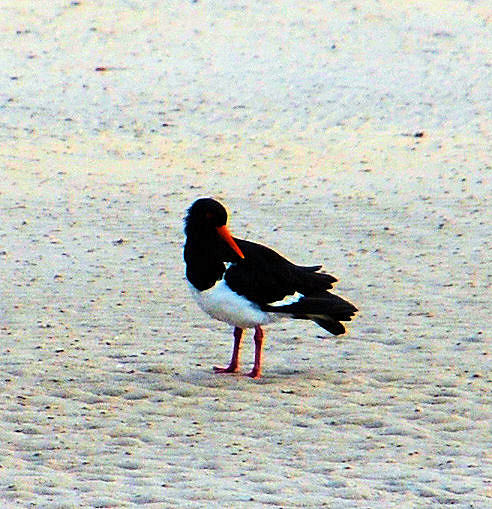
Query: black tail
[326,309]
[336,328]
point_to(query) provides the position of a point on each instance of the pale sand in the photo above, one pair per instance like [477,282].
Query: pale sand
[301,117]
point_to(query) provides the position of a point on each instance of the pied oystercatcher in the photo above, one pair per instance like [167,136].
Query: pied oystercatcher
[249,285]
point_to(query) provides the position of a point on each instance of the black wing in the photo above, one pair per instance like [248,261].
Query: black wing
[264,276]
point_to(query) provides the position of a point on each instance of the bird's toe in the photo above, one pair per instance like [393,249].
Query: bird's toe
[229,369]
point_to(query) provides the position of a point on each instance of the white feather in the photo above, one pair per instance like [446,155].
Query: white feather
[289,299]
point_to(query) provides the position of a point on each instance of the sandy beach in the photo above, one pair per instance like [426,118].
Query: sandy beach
[353,135]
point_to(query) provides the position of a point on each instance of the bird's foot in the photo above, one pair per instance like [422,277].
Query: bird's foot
[254,373]
[229,369]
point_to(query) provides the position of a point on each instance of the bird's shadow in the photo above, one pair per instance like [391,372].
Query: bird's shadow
[207,378]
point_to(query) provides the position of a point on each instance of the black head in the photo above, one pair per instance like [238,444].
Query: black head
[206,213]
[206,223]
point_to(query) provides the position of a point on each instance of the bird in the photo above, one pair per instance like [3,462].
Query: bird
[249,285]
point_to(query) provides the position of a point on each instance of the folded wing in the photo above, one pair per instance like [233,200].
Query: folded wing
[279,286]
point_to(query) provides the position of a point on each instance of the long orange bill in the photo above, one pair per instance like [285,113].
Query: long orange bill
[226,235]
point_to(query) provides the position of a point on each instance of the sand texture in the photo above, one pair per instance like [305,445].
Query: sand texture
[351,134]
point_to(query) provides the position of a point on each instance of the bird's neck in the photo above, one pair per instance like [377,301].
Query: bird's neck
[204,261]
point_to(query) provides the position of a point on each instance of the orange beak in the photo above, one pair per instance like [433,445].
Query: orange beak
[226,235]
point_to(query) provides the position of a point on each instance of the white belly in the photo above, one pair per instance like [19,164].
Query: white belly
[221,303]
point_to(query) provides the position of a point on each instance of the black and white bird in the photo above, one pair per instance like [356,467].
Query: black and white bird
[249,285]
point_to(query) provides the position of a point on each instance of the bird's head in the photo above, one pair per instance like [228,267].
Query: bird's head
[208,217]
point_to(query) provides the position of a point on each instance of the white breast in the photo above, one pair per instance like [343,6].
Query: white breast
[221,303]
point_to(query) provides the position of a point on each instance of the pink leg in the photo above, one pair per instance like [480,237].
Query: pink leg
[234,364]
[256,371]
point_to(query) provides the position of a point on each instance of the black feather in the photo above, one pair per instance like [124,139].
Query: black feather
[336,328]
[326,309]
[264,276]
[323,304]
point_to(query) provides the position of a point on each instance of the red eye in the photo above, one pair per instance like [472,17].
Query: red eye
[209,215]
